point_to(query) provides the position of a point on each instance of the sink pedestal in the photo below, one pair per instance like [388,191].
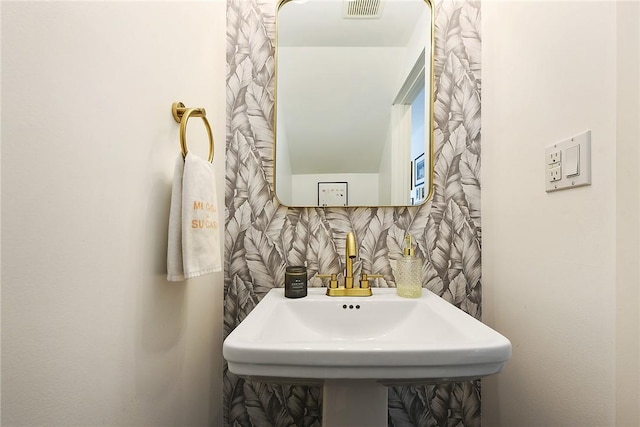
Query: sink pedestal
[354,404]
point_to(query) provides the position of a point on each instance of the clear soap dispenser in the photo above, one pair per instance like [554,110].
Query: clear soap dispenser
[409,272]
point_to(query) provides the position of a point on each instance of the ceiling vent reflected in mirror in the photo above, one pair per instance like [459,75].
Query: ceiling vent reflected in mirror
[362,9]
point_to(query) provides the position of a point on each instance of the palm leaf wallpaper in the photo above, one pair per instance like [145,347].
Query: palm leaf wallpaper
[262,237]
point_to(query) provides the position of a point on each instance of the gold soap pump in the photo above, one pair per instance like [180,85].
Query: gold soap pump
[409,272]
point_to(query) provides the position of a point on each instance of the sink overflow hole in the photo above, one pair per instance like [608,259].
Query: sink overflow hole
[351,306]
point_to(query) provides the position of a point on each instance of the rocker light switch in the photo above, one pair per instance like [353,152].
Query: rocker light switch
[568,163]
[572,161]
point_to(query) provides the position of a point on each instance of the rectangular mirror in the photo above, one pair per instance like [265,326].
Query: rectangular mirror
[354,91]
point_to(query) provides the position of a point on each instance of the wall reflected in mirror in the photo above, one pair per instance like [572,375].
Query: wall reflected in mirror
[353,100]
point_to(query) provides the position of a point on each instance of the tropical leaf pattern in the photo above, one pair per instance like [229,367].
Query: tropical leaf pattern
[262,237]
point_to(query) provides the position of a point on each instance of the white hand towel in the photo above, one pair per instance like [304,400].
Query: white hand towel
[175,269]
[194,228]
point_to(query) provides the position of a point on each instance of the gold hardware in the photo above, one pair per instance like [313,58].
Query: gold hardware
[408,246]
[353,292]
[333,283]
[350,254]
[364,279]
[181,115]
[348,290]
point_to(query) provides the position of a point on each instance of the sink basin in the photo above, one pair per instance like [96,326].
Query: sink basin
[384,337]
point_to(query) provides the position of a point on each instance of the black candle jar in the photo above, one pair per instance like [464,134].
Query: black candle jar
[295,282]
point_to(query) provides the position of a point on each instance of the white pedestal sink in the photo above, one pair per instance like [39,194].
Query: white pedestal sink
[355,346]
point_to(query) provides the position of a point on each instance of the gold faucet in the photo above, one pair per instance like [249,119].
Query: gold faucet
[350,254]
[349,290]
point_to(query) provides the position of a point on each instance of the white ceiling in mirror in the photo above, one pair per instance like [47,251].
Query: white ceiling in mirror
[323,23]
[337,79]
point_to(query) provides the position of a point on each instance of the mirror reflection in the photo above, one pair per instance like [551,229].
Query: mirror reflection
[353,102]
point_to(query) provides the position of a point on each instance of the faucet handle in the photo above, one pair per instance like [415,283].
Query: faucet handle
[333,283]
[364,279]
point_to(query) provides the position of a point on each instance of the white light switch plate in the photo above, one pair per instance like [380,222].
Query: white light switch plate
[563,155]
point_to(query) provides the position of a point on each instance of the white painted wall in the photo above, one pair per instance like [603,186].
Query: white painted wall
[352,89]
[628,215]
[551,262]
[385,177]
[92,334]
[282,165]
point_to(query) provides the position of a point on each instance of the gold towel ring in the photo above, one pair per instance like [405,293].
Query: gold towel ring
[181,115]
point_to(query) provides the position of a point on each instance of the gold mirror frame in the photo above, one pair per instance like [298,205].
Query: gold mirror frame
[429,121]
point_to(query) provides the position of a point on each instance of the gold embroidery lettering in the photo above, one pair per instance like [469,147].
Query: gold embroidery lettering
[199,223]
[209,207]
